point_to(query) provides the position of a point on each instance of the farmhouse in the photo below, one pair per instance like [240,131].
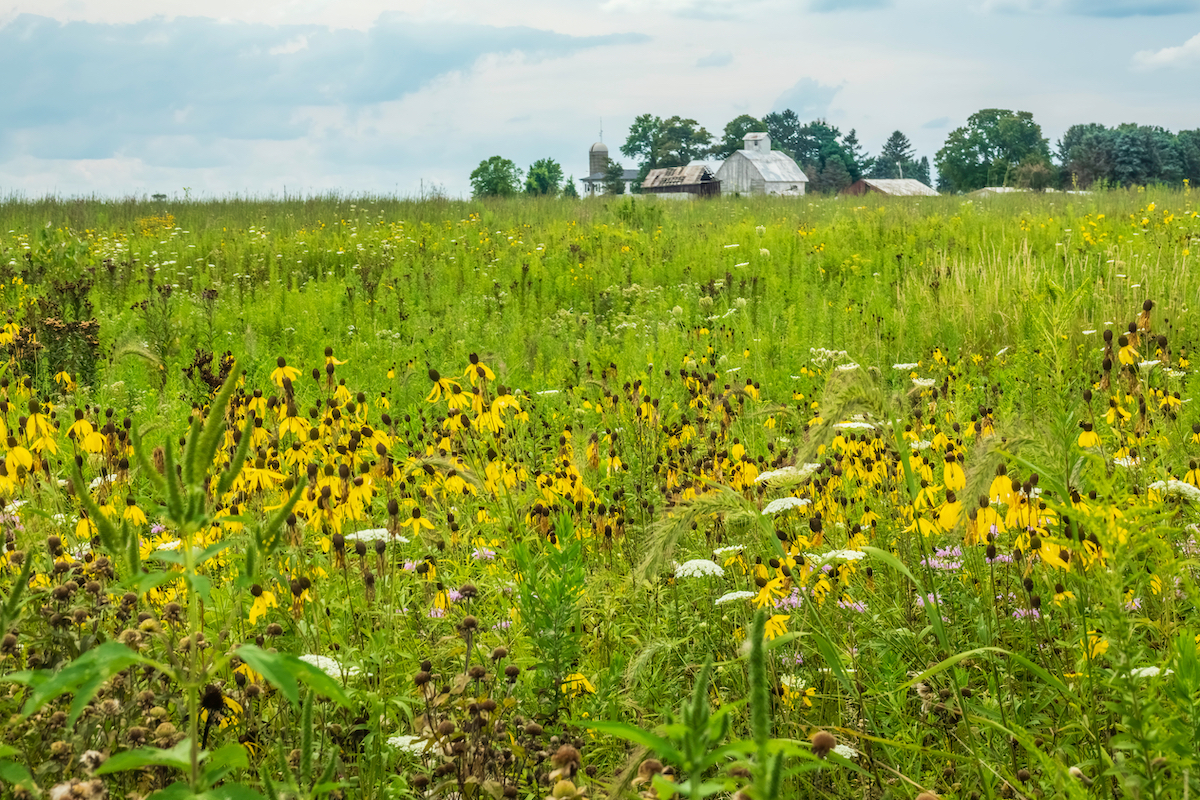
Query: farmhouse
[593,184]
[760,170]
[696,180]
[896,187]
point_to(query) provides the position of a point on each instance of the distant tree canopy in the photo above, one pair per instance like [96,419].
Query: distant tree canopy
[733,139]
[544,177]
[1127,155]
[495,177]
[990,147]
[674,142]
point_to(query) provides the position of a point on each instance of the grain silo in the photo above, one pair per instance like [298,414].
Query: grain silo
[598,159]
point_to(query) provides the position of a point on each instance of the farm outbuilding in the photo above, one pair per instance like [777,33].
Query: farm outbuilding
[895,187]
[758,169]
[692,179]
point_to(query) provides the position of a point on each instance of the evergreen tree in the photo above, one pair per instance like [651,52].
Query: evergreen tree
[614,178]
[784,130]
[569,189]
[859,163]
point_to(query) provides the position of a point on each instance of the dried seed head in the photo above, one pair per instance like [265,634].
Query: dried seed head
[822,743]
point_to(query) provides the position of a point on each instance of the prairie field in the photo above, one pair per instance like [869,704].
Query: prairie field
[355,497]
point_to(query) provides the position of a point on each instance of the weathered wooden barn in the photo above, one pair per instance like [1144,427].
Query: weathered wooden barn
[757,169]
[693,179]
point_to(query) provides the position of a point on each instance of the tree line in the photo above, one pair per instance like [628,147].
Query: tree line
[996,147]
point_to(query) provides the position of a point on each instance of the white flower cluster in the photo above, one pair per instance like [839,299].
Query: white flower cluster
[835,555]
[855,425]
[372,535]
[1177,488]
[820,355]
[789,474]
[732,596]
[906,367]
[784,504]
[409,744]
[924,383]
[699,568]
[329,666]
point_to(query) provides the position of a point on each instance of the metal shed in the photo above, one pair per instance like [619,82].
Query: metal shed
[896,187]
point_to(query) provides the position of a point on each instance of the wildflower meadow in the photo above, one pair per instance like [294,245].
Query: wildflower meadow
[746,498]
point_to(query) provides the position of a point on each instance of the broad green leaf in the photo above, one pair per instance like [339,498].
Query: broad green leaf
[223,761]
[179,557]
[15,774]
[83,676]
[178,757]
[283,669]
[631,733]
[931,611]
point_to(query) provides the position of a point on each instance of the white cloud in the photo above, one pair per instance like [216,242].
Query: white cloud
[1181,56]
[290,46]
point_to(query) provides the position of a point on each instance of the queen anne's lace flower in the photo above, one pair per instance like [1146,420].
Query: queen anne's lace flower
[788,474]
[699,568]
[785,503]
[1177,488]
[329,666]
[730,597]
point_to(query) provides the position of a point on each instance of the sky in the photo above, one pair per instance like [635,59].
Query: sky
[269,97]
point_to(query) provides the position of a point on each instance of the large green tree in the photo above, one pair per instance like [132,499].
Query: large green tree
[495,177]
[986,150]
[654,142]
[734,137]
[544,177]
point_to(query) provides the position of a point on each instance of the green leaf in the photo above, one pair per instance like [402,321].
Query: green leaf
[189,452]
[283,669]
[145,581]
[834,661]
[631,733]
[239,457]
[214,424]
[83,676]
[175,511]
[179,557]
[15,774]
[12,605]
[139,451]
[108,533]
[223,761]
[8,751]
[760,699]
[178,757]
[931,611]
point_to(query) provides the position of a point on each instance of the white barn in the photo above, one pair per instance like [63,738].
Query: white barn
[760,170]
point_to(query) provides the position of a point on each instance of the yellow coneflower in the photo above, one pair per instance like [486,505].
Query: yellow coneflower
[282,371]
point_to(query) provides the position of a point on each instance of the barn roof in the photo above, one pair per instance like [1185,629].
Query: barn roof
[774,166]
[901,187]
[677,176]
